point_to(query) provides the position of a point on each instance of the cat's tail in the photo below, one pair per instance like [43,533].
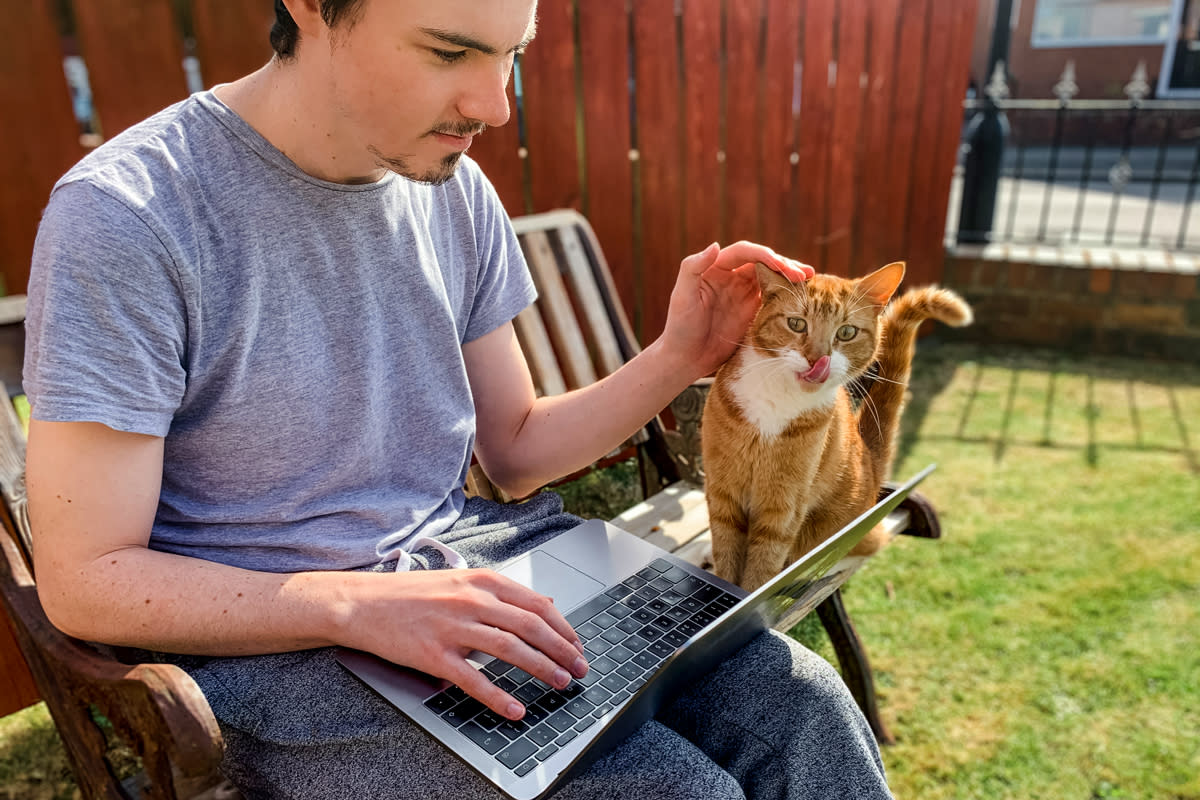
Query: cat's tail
[879,414]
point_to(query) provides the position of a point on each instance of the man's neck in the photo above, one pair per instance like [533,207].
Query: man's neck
[270,100]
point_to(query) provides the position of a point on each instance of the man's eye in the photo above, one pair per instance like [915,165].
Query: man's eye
[450,56]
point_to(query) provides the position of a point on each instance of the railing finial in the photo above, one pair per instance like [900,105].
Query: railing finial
[1138,87]
[1066,88]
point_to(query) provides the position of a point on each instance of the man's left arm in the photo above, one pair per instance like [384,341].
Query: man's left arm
[525,441]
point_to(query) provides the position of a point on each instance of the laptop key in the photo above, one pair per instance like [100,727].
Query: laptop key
[529,693]
[589,609]
[630,671]
[614,635]
[496,667]
[603,620]
[579,708]
[584,724]
[597,694]
[440,703]
[648,573]
[678,613]
[627,625]
[650,633]
[506,684]
[488,719]
[620,654]
[707,593]
[635,643]
[515,754]
[525,768]
[546,752]
[618,610]
[463,711]
[619,591]
[674,574]
[646,660]
[602,665]
[489,741]
[542,735]
[561,721]
[614,682]
[660,565]
[566,737]
[690,584]
[588,630]
[513,728]
[634,582]
[661,583]
[674,638]
[660,648]
[552,701]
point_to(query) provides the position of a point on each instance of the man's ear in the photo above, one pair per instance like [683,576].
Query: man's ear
[880,285]
[770,281]
[307,16]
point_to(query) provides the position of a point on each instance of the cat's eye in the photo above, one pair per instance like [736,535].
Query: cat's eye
[847,332]
[798,324]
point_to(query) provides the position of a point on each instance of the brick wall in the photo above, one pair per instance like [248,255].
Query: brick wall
[1130,304]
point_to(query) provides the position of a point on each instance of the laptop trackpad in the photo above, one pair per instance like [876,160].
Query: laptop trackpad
[545,574]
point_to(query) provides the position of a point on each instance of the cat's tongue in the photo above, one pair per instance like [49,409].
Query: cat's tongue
[818,372]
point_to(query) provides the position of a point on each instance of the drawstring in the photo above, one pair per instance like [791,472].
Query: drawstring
[404,559]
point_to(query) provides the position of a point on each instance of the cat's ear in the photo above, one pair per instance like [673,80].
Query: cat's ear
[769,280]
[880,285]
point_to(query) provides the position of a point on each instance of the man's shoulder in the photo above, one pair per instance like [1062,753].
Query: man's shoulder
[138,164]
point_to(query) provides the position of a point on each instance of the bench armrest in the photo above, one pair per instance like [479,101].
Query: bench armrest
[157,709]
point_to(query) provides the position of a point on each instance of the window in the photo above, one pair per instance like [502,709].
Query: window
[1060,23]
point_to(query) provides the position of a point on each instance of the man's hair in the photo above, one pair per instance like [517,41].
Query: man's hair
[285,36]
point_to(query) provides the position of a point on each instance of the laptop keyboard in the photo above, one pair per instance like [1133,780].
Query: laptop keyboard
[626,630]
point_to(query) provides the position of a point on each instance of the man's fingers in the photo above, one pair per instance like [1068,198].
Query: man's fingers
[699,262]
[739,254]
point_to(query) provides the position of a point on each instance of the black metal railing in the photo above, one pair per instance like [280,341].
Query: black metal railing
[1084,173]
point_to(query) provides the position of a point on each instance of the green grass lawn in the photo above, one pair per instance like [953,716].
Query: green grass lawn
[1049,645]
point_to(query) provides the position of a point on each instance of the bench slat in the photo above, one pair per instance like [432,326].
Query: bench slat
[589,301]
[539,353]
[556,310]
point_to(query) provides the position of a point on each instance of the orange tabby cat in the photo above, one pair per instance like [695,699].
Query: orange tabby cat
[788,459]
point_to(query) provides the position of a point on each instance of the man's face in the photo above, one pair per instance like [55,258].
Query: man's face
[412,81]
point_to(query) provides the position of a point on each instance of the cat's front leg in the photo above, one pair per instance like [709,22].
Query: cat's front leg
[768,542]
[727,524]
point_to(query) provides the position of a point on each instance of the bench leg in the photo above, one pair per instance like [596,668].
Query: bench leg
[856,669]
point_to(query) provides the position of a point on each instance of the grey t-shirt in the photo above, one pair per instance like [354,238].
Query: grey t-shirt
[296,342]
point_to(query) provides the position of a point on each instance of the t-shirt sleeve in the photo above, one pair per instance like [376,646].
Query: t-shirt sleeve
[503,287]
[106,322]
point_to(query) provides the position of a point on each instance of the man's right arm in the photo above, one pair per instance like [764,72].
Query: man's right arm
[93,494]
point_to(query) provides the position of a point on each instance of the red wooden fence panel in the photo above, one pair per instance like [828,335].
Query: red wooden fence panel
[875,192]
[949,23]
[779,115]
[40,138]
[701,133]
[742,218]
[657,86]
[607,134]
[134,53]
[841,235]
[550,133]
[816,126]
[232,37]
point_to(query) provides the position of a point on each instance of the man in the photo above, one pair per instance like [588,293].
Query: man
[267,327]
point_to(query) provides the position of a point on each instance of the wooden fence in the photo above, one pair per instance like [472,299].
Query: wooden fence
[824,128]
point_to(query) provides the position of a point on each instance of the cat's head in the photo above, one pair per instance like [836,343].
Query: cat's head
[824,330]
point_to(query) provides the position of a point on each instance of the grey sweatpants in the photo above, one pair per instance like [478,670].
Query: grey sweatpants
[773,721]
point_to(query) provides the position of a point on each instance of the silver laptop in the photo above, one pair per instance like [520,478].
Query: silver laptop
[650,623]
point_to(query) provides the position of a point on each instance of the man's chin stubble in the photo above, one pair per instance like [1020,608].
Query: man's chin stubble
[435,176]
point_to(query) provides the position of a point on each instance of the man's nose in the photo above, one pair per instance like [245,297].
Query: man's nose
[487,98]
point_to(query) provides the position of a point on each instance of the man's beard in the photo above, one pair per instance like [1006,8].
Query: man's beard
[435,175]
[444,169]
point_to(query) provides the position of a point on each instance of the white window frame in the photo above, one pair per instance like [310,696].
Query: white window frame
[1111,41]
[1164,73]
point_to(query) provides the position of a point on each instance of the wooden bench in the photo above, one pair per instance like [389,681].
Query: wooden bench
[576,333]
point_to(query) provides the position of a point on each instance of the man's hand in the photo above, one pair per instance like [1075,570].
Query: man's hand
[715,298]
[432,620]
